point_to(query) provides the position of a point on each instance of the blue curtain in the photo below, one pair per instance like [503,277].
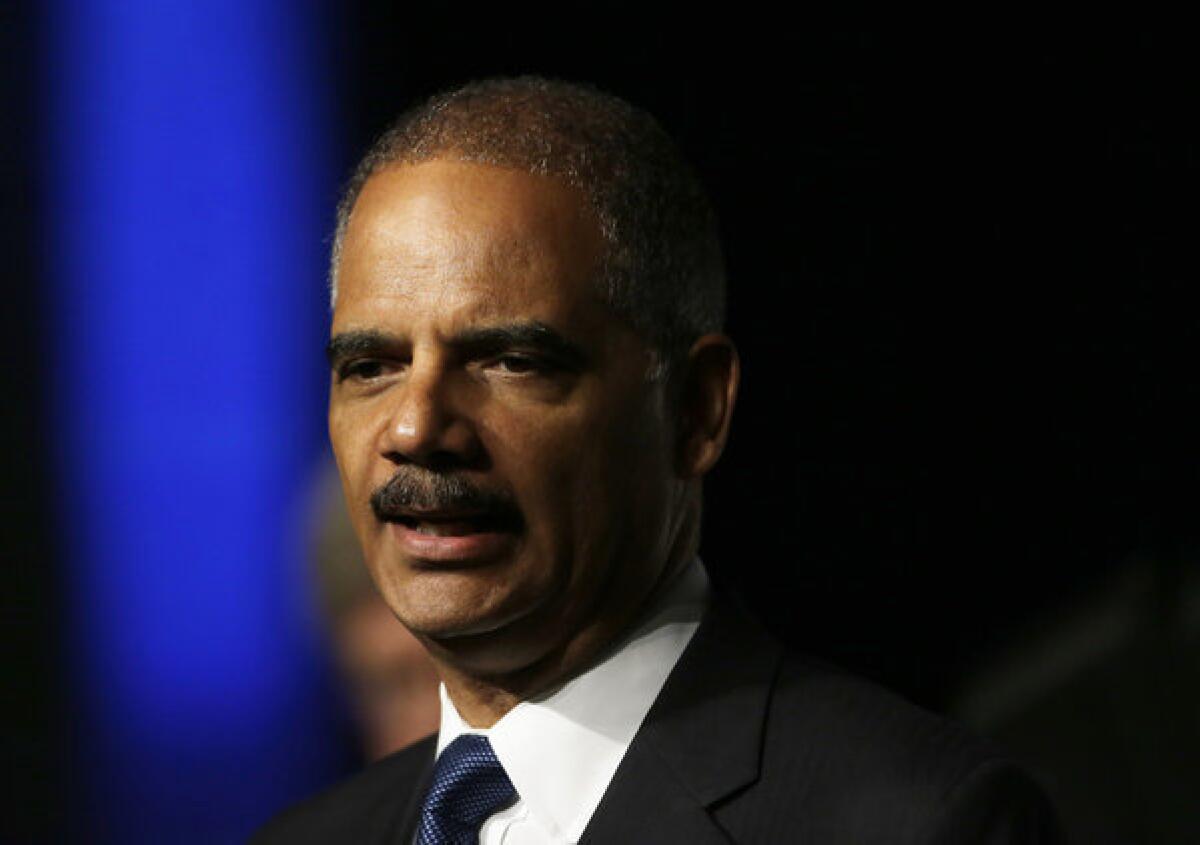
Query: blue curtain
[190,185]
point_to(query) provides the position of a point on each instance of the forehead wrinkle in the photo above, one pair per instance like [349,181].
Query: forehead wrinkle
[454,255]
[465,215]
[448,309]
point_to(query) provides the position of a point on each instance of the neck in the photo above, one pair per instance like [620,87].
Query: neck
[483,699]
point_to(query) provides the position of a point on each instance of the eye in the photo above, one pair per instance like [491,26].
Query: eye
[364,369]
[525,373]
[519,364]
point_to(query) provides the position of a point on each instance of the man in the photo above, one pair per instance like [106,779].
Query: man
[529,383]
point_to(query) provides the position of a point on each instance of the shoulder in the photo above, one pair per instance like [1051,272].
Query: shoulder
[866,765]
[365,807]
[783,748]
[827,713]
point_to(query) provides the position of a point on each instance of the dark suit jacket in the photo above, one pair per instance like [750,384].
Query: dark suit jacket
[747,743]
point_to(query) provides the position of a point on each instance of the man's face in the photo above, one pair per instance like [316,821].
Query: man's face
[506,461]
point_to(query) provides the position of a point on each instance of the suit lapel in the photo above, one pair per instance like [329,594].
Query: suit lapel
[404,828]
[388,821]
[701,740]
[645,803]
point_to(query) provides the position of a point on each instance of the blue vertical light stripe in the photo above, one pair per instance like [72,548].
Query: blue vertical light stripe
[189,190]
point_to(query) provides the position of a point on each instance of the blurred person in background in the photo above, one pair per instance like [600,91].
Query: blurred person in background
[387,676]
[1102,698]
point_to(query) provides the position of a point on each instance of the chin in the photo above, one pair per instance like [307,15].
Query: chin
[480,631]
[450,604]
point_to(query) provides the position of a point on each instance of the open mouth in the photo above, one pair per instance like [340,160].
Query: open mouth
[454,540]
[456,525]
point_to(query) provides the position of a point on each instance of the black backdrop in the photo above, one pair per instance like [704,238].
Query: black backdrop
[961,281]
[31,705]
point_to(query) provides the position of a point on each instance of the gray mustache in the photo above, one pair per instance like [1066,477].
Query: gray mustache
[412,488]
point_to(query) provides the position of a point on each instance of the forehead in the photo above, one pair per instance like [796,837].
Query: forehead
[464,239]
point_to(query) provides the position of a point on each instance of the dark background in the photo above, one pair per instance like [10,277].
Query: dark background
[961,276]
[31,699]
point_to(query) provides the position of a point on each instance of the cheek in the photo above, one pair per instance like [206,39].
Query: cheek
[339,431]
[354,432]
[630,454]
[347,454]
[351,441]
[586,475]
[541,455]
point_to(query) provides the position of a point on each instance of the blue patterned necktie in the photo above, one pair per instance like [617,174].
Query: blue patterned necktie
[469,784]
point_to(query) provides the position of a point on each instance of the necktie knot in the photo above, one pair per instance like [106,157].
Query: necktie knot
[468,785]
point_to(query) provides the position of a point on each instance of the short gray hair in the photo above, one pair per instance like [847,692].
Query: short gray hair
[662,269]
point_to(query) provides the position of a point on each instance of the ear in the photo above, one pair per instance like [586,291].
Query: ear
[705,404]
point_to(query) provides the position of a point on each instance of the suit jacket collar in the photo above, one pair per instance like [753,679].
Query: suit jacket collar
[701,740]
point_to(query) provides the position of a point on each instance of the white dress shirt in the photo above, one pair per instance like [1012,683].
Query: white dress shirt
[561,750]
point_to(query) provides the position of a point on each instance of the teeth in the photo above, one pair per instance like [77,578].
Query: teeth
[444,529]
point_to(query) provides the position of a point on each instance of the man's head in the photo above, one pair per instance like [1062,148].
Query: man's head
[661,265]
[514,264]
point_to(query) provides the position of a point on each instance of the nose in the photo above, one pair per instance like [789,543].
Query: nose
[428,425]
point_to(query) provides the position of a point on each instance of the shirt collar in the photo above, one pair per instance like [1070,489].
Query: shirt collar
[562,749]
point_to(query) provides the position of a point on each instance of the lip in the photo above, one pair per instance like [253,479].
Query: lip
[466,549]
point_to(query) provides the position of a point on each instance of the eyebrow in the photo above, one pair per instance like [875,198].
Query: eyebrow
[349,344]
[532,335]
